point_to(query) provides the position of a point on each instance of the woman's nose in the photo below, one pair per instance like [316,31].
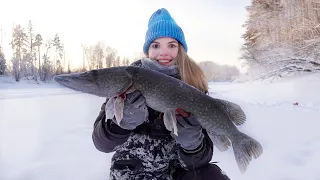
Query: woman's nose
[164,52]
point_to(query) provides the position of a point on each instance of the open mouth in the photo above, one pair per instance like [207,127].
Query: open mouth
[164,61]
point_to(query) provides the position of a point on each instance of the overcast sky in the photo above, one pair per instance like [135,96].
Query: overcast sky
[212,28]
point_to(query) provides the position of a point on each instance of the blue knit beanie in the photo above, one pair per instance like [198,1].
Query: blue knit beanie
[161,24]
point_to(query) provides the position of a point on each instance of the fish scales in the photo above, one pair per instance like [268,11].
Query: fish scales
[165,93]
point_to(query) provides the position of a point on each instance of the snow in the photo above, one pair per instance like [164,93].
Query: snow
[45,130]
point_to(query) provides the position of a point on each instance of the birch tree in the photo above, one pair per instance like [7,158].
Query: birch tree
[99,54]
[90,56]
[110,56]
[19,44]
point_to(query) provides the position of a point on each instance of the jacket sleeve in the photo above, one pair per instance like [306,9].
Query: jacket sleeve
[191,160]
[106,134]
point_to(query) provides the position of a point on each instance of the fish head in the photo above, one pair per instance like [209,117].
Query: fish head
[107,82]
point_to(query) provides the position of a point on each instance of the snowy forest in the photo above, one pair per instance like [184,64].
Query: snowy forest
[36,59]
[28,62]
[282,37]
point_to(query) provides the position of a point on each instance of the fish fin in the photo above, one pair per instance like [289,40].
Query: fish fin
[115,106]
[244,148]
[170,121]
[220,141]
[234,112]
[109,109]
[118,109]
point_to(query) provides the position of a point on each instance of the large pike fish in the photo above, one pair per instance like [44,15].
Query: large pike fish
[165,94]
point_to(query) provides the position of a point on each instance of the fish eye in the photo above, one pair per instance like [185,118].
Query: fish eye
[94,72]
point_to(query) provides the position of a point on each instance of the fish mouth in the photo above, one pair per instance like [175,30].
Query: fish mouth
[124,91]
[75,82]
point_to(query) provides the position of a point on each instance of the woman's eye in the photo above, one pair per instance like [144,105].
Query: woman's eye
[155,46]
[172,45]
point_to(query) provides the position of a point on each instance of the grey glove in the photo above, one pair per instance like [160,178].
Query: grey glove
[190,134]
[135,111]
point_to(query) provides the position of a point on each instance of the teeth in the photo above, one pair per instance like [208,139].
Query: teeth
[164,61]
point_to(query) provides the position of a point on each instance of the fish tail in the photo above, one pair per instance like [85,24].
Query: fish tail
[244,148]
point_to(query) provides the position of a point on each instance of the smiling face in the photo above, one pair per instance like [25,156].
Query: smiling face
[164,50]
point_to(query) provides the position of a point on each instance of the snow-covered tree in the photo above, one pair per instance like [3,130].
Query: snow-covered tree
[110,56]
[2,62]
[99,53]
[59,67]
[116,62]
[282,36]
[32,53]
[15,68]
[125,61]
[28,66]
[47,68]
[56,43]
[38,43]
[19,45]
[90,56]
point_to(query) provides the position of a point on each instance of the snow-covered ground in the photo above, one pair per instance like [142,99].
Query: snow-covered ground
[45,131]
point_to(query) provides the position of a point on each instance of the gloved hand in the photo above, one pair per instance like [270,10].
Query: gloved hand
[190,134]
[135,111]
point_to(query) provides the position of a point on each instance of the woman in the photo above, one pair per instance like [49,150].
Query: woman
[144,148]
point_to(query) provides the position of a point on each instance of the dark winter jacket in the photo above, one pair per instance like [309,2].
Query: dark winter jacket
[147,152]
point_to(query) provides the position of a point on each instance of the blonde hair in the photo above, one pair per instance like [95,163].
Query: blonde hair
[190,71]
